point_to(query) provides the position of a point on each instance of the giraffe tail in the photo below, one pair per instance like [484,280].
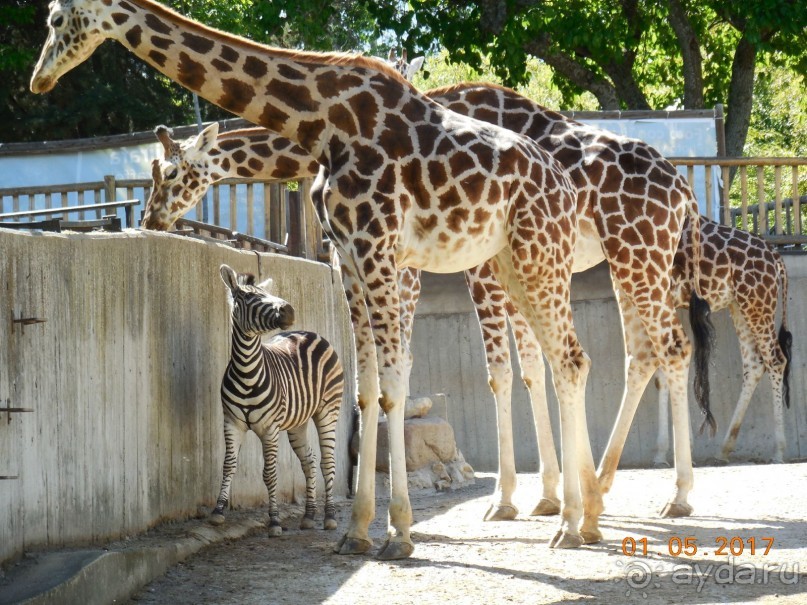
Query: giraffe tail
[703,331]
[785,337]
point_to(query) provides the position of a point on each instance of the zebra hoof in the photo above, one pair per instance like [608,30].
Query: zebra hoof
[546,507]
[501,512]
[274,531]
[216,519]
[393,551]
[352,546]
[674,509]
[329,524]
[307,523]
[566,540]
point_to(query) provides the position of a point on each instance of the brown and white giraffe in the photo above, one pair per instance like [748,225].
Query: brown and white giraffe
[405,182]
[742,272]
[180,181]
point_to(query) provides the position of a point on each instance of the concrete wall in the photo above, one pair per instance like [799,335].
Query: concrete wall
[449,358]
[123,377]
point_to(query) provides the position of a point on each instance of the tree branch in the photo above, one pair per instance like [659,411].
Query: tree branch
[577,74]
[690,53]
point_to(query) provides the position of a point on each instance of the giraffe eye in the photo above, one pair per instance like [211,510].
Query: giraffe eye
[57,21]
[172,173]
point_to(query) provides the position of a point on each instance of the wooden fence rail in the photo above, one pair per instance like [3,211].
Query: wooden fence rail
[767,196]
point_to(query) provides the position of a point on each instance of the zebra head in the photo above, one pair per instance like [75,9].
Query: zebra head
[254,310]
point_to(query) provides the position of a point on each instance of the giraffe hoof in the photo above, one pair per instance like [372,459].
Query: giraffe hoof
[274,531]
[719,461]
[546,507]
[216,519]
[352,546]
[661,464]
[566,540]
[591,536]
[329,524]
[306,523]
[393,551]
[674,509]
[501,512]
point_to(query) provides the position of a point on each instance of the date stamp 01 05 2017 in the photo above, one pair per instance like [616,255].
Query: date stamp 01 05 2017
[687,546]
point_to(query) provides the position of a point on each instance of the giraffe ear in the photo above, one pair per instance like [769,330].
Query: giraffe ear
[206,140]
[229,277]
[414,67]
[391,56]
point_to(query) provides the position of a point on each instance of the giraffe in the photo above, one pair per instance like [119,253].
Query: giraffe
[589,154]
[403,182]
[181,179]
[741,272]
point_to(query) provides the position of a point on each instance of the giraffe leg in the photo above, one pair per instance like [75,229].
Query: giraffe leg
[489,304]
[357,538]
[409,292]
[640,363]
[533,374]
[326,429]
[546,304]
[233,438]
[663,437]
[298,439]
[383,307]
[753,369]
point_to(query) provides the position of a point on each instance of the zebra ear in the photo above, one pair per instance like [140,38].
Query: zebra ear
[266,285]
[229,277]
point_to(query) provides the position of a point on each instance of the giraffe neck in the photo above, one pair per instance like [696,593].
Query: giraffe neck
[257,154]
[297,95]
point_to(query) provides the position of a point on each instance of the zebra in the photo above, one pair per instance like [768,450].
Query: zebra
[277,386]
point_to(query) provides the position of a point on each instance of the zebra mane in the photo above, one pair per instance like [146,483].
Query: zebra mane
[246,279]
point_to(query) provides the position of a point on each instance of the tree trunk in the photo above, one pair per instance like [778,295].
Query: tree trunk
[741,92]
[690,53]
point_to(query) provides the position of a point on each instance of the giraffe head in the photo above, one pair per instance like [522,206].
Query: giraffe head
[75,30]
[181,178]
[254,310]
[402,65]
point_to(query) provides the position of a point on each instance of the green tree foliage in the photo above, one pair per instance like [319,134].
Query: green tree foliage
[631,54]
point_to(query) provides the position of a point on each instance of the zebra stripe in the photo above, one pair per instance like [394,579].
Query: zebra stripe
[278,386]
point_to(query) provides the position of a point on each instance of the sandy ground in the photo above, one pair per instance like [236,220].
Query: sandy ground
[460,559]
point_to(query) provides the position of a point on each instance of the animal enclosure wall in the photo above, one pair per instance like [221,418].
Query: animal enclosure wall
[449,358]
[123,379]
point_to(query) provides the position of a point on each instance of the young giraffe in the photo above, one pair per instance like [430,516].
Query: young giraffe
[182,178]
[404,182]
[739,271]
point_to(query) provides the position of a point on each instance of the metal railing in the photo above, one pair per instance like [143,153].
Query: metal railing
[767,196]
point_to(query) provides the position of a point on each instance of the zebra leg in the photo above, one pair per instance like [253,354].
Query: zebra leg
[326,427]
[269,441]
[298,439]
[233,438]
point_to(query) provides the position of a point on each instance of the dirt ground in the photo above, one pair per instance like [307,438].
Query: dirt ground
[460,559]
